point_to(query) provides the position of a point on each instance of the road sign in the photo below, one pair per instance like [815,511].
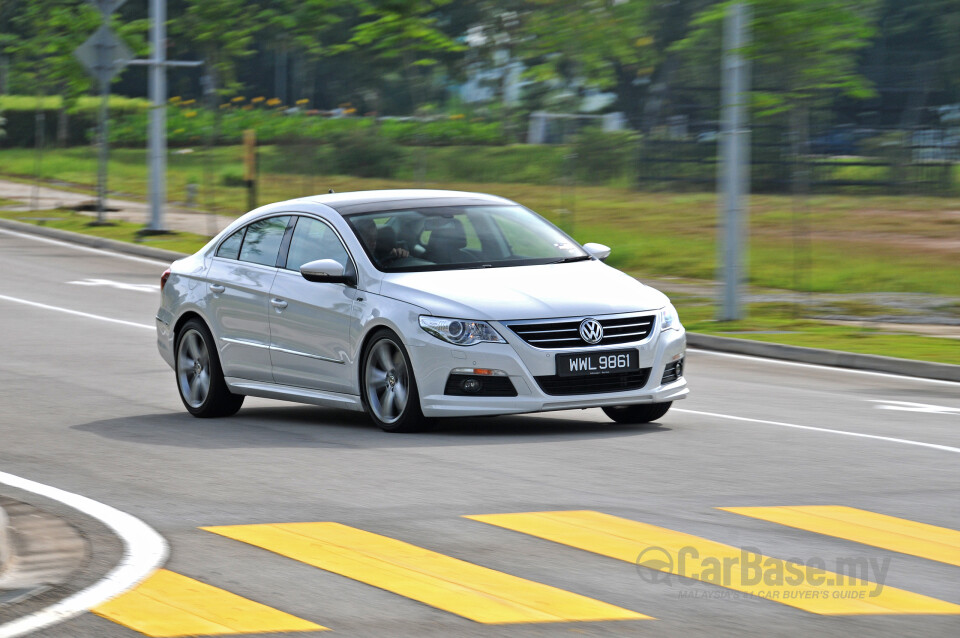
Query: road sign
[103,54]
[107,6]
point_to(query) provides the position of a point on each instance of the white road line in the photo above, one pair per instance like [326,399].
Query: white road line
[76,312]
[909,406]
[144,551]
[784,362]
[889,439]
[89,249]
[119,285]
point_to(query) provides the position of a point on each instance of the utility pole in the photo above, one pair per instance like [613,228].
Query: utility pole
[158,114]
[157,128]
[733,174]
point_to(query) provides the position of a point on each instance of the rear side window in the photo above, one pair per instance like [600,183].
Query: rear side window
[230,248]
[314,240]
[261,244]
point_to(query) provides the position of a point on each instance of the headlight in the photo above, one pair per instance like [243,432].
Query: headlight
[461,332]
[669,319]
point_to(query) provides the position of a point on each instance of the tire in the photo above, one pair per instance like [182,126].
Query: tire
[199,376]
[388,387]
[639,413]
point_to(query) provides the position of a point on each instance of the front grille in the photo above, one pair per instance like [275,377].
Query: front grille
[672,372]
[489,386]
[596,384]
[566,334]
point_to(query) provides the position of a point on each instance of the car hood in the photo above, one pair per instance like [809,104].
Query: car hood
[524,292]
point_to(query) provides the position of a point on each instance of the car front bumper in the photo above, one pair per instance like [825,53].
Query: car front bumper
[434,360]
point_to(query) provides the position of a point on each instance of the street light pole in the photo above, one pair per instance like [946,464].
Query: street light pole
[157,128]
[158,114]
[733,175]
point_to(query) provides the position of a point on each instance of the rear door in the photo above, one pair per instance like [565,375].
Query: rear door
[311,322]
[239,282]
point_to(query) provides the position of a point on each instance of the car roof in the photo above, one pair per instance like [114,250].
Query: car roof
[381,200]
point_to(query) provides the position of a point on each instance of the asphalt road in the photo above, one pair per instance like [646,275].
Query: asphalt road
[88,406]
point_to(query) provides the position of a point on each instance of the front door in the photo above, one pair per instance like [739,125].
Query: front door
[310,322]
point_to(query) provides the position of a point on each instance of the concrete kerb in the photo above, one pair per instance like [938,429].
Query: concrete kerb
[101,243]
[830,358]
[815,356]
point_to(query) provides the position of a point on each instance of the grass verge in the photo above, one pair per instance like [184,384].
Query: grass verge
[120,231]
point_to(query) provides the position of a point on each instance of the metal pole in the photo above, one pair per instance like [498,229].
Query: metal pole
[104,148]
[733,175]
[158,114]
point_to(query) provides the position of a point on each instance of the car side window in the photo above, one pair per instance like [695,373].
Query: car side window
[261,244]
[312,240]
[230,248]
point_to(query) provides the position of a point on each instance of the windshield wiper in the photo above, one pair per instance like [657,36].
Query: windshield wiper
[567,260]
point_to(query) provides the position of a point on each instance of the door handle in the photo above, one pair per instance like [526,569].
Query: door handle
[217,288]
[278,303]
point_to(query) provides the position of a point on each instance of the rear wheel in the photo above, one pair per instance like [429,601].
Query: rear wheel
[389,389]
[199,377]
[639,413]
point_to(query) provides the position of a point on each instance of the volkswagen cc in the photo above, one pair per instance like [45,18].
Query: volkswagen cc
[413,305]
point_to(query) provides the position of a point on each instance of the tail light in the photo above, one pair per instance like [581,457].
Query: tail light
[163,278]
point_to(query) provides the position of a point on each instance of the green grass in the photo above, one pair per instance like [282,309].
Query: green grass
[856,243]
[809,333]
[120,231]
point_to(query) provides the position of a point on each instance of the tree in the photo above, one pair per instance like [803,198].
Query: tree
[618,45]
[808,48]
[223,32]
[403,34]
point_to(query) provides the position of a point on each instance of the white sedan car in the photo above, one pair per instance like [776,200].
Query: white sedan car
[414,304]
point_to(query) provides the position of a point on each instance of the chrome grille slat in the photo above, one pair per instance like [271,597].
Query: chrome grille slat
[553,334]
[542,332]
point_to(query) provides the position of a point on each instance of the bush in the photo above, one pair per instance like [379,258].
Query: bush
[604,156]
[232,178]
[21,112]
[364,153]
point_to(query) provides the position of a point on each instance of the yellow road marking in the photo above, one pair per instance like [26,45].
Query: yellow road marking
[808,588]
[456,586]
[887,532]
[169,604]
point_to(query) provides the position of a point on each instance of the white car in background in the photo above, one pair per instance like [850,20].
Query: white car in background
[413,304]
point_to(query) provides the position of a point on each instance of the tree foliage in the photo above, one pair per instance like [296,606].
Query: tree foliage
[807,49]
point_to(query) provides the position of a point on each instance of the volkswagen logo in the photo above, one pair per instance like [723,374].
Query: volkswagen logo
[591,331]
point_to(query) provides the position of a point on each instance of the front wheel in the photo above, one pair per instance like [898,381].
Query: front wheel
[199,377]
[389,389]
[639,413]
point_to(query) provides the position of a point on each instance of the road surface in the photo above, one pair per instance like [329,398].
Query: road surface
[385,547]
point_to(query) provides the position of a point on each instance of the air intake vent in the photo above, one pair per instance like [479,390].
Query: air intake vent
[597,384]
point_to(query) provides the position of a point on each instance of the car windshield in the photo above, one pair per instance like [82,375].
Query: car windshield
[459,237]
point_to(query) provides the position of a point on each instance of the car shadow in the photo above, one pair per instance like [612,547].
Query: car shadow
[308,426]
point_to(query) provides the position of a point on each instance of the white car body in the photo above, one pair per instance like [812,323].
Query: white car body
[310,349]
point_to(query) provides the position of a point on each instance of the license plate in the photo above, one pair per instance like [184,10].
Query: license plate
[590,363]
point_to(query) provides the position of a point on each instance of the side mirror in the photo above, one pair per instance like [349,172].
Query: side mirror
[328,271]
[599,251]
